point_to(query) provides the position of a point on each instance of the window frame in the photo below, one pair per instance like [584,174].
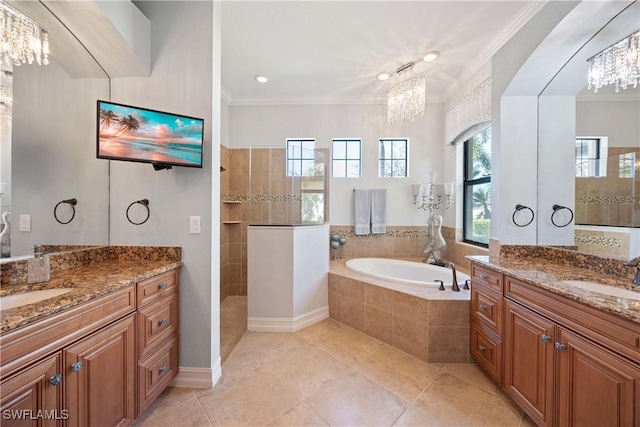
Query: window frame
[346,159]
[466,183]
[392,159]
[297,159]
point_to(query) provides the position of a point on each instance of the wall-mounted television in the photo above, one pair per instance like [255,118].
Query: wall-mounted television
[139,134]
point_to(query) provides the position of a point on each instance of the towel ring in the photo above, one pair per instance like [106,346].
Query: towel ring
[520,207]
[557,208]
[71,202]
[143,202]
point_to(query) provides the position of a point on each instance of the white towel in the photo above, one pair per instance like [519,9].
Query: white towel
[362,211]
[379,211]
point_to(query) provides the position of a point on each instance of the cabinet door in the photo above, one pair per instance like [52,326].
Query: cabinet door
[529,353]
[33,397]
[595,387]
[100,377]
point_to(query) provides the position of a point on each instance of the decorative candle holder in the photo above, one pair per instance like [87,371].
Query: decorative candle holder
[342,241]
[434,196]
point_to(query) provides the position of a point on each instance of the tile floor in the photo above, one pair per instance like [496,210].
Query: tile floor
[331,374]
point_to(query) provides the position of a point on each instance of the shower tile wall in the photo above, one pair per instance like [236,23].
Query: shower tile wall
[224,229]
[610,200]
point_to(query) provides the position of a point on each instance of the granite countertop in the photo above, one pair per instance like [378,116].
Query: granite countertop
[550,276]
[88,282]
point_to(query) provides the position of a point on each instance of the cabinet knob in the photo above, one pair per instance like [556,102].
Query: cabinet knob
[163,322]
[163,370]
[481,347]
[163,286]
[56,379]
[559,346]
[482,277]
[482,307]
[77,366]
[545,338]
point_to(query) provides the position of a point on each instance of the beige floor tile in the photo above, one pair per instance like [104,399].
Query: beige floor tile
[453,401]
[168,400]
[251,401]
[473,374]
[355,400]
[301,415]
[306,368]
[347,344]
[189,414]
[317,331]
[398,371]
[526,421]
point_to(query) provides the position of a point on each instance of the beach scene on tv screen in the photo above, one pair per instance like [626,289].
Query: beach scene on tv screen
[139,134]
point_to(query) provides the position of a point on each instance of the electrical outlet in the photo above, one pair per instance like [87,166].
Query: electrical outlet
[194,224]
[25,222]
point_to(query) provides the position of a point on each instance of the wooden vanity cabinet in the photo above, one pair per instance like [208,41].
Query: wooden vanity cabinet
[35,389]
[486,326]
[567,364]
[97,364]
[100,377]
[157,336]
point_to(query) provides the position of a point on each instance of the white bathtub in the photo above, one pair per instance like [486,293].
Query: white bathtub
[407,272]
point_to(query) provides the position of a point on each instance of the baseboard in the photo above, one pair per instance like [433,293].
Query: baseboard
[267,324]
[197,377]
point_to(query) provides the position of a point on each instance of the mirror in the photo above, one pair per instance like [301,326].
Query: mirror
[49,135]
[603,166]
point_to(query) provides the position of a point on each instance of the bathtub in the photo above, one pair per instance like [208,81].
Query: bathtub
[406,272]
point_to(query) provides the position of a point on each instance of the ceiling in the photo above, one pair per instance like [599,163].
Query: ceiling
[328,52]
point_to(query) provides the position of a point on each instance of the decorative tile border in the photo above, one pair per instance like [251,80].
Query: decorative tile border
[607,200]
[608,241]
[261,198]
[416,233]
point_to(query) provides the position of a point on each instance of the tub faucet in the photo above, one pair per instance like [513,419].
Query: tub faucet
[635,262]
[454,283]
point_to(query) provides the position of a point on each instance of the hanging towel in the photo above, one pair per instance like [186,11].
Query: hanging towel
[362,211]
[378,211]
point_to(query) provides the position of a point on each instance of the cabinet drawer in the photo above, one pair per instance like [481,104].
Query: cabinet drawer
[155,373]
[486,349]
[157,322]
[486,277]
[487,308]
[156,287]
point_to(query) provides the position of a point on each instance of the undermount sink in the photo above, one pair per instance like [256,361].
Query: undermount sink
[24,298]
[604,289]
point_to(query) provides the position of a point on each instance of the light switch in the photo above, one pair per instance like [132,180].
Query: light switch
[25,222]
[194,224]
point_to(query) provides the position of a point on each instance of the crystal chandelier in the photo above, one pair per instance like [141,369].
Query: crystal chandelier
[618,64]
[21,39]
[406,100]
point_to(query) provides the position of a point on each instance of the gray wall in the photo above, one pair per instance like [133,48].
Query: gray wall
[181,81]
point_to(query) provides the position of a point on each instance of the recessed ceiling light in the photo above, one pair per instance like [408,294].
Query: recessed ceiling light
[431,56]
[260,79]
[383,76]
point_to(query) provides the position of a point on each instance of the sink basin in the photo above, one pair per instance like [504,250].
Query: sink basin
[17,300]
[604,289]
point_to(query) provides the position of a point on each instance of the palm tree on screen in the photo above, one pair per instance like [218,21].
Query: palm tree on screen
[128,124]
[107,118]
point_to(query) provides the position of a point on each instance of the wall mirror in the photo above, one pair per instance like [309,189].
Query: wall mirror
[602,166]
[48,133]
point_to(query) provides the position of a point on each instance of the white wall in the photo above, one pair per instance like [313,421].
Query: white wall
[53,158]
[272,125]
[181,81]
[618,120]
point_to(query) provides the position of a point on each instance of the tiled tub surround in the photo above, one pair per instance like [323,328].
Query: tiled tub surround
[91,275]
[403,242]
[429,324]
[548,273]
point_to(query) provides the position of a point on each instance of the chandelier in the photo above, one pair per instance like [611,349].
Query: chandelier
[618,64]
[406,99]
[21,39]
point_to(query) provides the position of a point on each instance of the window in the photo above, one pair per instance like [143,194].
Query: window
[477,189]
[300,157]
[392,158]
[587,157]
[626,163]
[346,156]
